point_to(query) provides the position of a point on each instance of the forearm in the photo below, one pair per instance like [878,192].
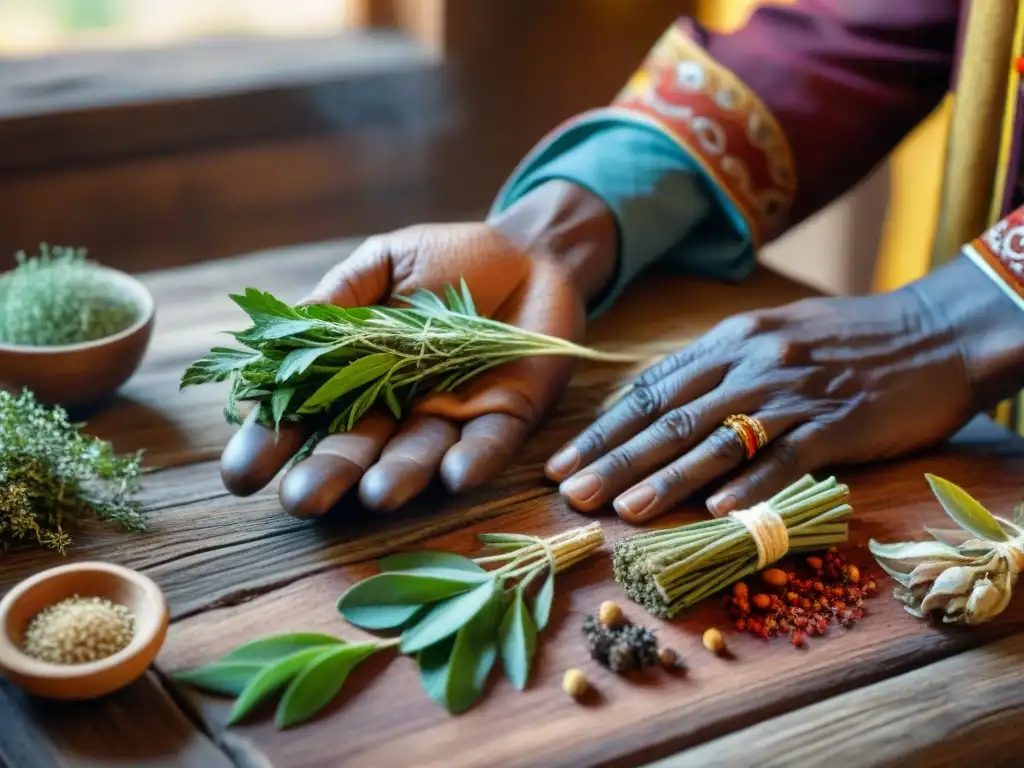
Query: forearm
[563,222]
[987,324]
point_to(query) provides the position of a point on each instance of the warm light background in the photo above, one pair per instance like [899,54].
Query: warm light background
[29,27]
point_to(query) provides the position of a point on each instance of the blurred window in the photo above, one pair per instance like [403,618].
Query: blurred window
[39,27]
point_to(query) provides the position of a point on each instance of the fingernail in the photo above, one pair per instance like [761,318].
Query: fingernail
[563,463]
[582,487]
[722,504]
[635,501]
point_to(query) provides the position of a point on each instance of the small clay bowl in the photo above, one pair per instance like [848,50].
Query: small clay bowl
[95,678]
[75,375]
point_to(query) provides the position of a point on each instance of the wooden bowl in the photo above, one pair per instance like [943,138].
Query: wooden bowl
[75,375]
[92,679]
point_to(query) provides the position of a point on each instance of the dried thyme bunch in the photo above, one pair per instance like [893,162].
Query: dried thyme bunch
[58,297]
[966,575]
[668,570]
[333,364]
[52,476]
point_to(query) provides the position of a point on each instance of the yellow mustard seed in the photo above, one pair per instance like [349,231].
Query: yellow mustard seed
[713,640]
[609,614]
[668,657]
[574,683]
[78,630]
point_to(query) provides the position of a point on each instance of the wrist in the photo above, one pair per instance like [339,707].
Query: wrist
[987,325]
[569,225]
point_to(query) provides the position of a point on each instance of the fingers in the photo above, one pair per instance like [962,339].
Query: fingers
[630,415]
[783,462]
[313,486]
[255,454]
[409,462]
[364,278]
[720,453]
[669,437]
[488,445]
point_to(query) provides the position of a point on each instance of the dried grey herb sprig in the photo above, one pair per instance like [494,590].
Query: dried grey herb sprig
[966,575]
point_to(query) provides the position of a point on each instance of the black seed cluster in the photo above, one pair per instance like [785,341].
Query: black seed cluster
[623,648]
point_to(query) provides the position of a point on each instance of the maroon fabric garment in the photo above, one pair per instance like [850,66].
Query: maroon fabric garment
[847,80]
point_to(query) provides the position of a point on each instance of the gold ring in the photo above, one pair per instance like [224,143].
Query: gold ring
[750,431]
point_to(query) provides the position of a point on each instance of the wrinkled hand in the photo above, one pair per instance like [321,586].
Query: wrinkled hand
[832,381]
[466,437]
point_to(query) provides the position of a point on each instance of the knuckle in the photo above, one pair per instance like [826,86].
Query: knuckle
[592,442]
[645,401]
[660,370]
[786,456]
[669,480]
[677,425]
[618,462]
[725,443]
[780,352]
[746,325]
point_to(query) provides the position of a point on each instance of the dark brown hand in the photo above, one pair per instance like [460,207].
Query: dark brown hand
[832,381]
[533,267]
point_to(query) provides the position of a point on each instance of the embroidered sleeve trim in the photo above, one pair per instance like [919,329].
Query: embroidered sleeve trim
[1000,254]
[722,124]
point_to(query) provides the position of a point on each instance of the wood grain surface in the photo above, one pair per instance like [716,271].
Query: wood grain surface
[234,569]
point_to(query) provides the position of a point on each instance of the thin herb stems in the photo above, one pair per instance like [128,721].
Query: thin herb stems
[671,569]
[332,365]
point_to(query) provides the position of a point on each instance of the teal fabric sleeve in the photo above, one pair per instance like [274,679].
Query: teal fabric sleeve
[666,209]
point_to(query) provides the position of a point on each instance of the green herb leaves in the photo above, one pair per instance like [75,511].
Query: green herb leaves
[312,666]
[518,641]
[52,476]
[965,510]
[337,364]
[455,616]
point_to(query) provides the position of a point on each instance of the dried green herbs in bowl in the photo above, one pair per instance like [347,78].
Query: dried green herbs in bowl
[71,330]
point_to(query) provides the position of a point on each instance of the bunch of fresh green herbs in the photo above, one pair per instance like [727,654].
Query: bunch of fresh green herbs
[332,365]
[669,570]
[59,297]
[52,476]
[456,618]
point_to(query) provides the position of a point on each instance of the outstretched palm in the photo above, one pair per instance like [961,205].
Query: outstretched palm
[466,436]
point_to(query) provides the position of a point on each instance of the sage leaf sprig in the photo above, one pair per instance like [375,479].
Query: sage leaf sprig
[456,617]
[310,667]
[966,574]
[669,570]
[331,365]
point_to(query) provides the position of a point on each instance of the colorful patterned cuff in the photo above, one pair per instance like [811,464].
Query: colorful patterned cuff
[721,123]
[999,253]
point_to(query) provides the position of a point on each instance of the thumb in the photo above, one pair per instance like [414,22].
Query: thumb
[364,278]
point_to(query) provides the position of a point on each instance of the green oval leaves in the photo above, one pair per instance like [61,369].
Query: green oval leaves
[389,600]
[454,671]
[965,510]
[268,680]
[276,647]
[319,682]
[542,603]
[223,677]
[518,636]
[410,561]
[448,617]
[314,667]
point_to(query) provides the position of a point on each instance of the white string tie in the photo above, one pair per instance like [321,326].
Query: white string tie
[768,530]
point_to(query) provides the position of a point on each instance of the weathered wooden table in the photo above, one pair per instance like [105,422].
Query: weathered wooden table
[888,690]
